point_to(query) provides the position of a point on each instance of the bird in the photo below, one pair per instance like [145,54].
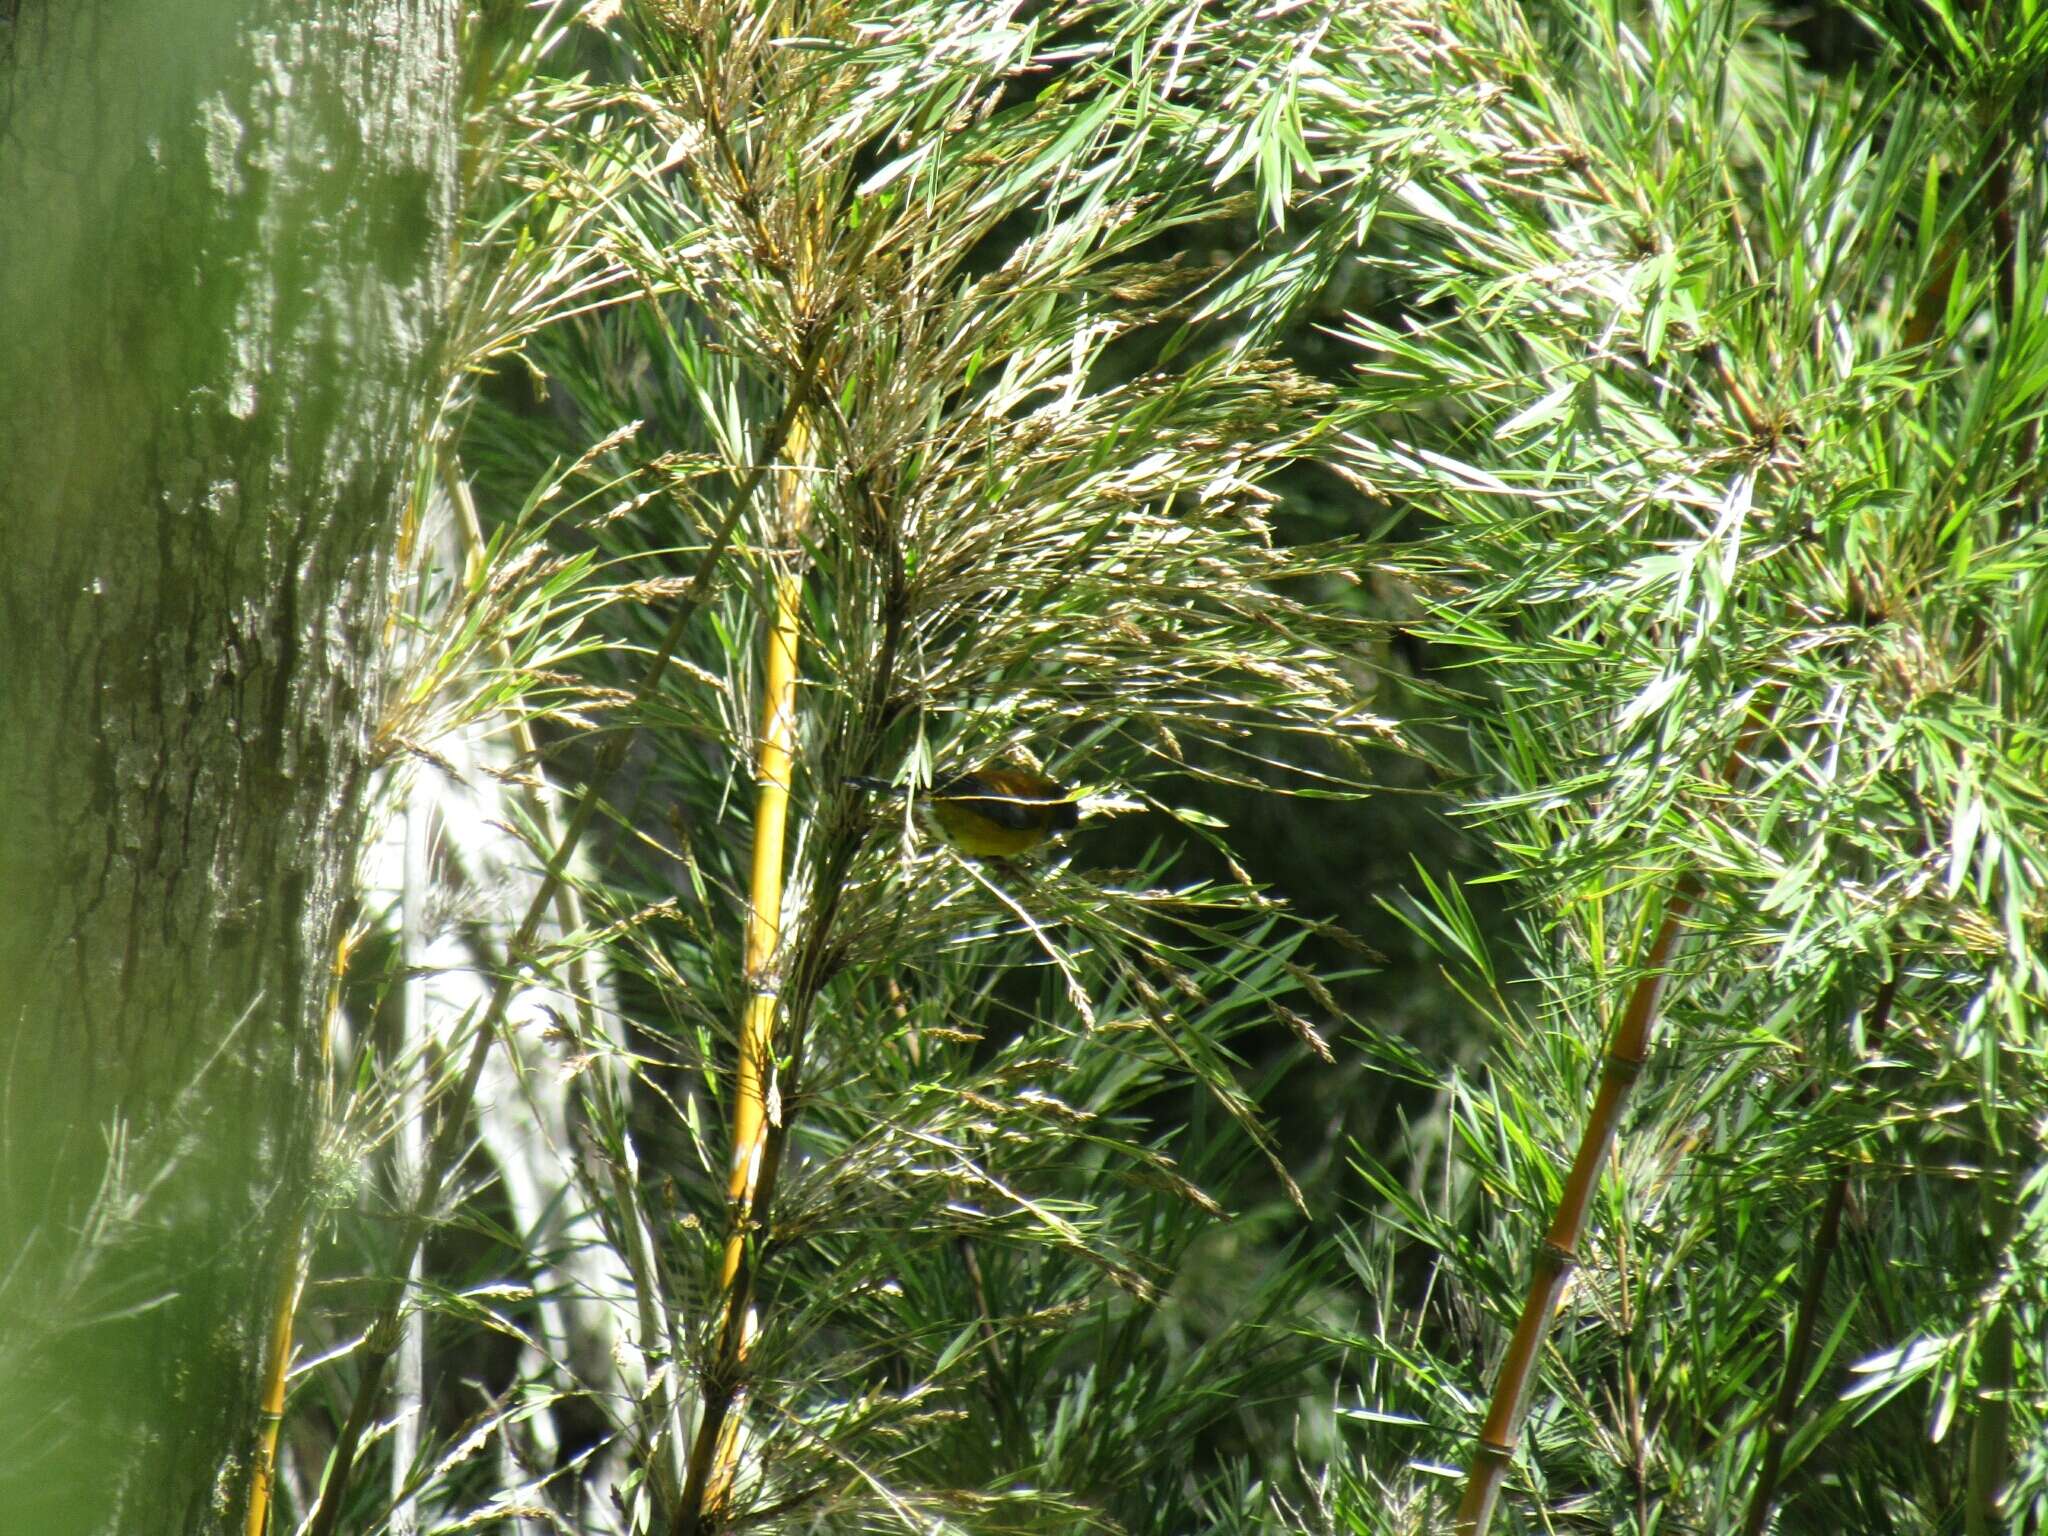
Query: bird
[995,812]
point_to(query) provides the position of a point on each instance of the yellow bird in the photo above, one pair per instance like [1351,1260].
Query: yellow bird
[993,813]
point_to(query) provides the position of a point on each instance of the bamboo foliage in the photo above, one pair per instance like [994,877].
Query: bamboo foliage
[524,294]
[1664,385]
[1697,379]
[1033,526]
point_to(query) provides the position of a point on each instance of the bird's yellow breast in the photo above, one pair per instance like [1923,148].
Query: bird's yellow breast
[973,833]
[997,813]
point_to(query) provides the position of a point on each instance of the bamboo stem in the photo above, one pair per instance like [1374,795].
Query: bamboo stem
[804,973]
[382,1338]
[757,1027]
[277,1355]
[714,1454]
[276,1366]
[1556,1257]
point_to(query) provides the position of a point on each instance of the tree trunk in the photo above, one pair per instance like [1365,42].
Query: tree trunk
[225,229]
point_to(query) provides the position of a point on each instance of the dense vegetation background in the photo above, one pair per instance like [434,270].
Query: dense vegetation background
[1519,522]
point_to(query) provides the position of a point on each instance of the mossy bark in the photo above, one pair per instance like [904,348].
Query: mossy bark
[227,233]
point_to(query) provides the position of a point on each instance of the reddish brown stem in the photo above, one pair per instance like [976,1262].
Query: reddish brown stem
[1627,1051]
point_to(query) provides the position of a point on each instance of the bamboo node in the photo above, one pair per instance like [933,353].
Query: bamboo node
[1624,1069]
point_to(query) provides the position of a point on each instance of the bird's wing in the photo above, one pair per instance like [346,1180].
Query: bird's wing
[995,802]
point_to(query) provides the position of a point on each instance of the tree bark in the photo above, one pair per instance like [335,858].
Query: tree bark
[225,233]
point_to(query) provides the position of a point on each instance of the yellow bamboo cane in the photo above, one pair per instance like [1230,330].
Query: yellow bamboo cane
[276,1360]
[277,1356]
[764,937]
